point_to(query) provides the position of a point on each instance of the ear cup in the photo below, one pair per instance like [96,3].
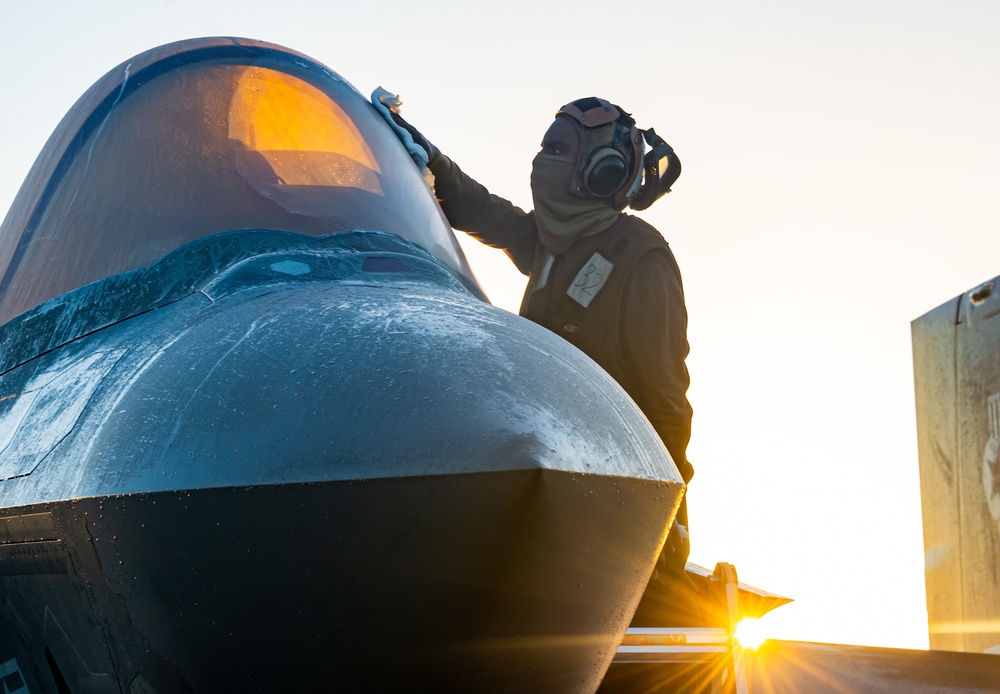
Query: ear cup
[605,172]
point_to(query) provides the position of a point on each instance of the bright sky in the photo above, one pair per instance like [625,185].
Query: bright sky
[841,162]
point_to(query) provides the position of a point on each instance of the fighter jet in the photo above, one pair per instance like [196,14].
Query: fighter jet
[260,428]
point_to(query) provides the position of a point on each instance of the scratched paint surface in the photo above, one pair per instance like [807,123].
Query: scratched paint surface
[48,408]
[255,374]
[957,374]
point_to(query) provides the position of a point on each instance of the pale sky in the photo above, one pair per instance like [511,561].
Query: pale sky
[840,162]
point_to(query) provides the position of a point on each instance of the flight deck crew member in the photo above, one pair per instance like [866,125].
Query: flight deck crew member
[603,280]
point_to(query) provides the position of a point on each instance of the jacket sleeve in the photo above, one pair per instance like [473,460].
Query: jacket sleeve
[654,330]
[490,219]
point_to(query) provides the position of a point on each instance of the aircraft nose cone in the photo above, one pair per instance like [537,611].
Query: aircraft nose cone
[354,382]
[449,470]
[282,468]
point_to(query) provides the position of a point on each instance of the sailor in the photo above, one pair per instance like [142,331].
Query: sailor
[603,280]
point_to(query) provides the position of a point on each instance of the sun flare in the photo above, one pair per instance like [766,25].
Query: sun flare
[750,633]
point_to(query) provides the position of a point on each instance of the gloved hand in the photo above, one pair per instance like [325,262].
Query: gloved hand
[418,138]
[675,551]
[419,147]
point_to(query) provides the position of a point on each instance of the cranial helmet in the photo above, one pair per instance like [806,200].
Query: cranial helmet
[611,162]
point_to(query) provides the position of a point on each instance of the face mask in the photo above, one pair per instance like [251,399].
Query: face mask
[561,217]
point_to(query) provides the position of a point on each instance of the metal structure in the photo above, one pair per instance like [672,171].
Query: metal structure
[257,419]
[709,659]
[702,659]
[956,359]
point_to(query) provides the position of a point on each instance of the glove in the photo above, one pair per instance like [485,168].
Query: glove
[418,139]
[419,147]
[675,551]
[674,555]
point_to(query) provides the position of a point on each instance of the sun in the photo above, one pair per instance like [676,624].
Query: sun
[749,633]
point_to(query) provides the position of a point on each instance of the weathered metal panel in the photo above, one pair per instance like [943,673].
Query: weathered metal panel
[956,350]
[937,446]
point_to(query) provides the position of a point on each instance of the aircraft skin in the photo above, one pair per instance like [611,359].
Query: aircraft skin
[259,428]
[957,394]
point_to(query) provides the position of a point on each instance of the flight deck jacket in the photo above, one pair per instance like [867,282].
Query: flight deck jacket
[616,295]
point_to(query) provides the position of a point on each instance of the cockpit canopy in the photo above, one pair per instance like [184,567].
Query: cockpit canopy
[200,137]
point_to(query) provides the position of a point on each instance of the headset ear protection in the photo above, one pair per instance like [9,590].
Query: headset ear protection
[606,171]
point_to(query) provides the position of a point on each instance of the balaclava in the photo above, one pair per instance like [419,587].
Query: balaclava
[562,212]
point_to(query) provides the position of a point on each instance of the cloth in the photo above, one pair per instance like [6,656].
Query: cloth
[387,104]
[634,325]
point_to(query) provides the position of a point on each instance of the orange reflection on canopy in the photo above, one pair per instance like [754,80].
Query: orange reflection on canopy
[301,133]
